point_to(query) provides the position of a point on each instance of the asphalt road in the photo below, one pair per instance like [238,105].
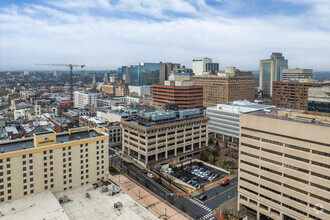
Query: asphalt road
[220,194]
[197,209]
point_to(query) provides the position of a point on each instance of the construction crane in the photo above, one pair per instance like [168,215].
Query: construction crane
[71,67]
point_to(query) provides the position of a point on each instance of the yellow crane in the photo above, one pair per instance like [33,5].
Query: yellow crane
[71,67]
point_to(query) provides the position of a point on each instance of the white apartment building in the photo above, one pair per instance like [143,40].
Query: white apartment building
[81,99]
[200,65]
[224,119]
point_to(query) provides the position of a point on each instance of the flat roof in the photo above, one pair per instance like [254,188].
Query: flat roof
[302,117]
[43,205]
[100,205]
[27,143]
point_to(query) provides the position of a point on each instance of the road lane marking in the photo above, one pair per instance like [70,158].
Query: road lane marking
[227,201]
[219,194]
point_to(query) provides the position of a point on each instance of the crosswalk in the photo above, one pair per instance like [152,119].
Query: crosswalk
[207,217]
[199,203]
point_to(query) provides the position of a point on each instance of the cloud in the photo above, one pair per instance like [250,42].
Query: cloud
[177,32]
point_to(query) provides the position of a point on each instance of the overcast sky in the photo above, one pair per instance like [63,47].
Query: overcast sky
[106,34]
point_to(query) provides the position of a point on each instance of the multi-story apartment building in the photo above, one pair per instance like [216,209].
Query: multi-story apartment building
[293,94]
[224,119]
[297,74]
[81,99]
[319,99]
[164,136]
[52,161]
[271,70]
[205,64]
[284,165]
[226,87]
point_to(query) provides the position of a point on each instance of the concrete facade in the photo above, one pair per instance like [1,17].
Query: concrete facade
[149,144]
[52,161]
[81,99]
[297,74]
[271,70]
[284,166]
[226,88]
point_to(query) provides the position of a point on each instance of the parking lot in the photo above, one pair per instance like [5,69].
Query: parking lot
[197,174]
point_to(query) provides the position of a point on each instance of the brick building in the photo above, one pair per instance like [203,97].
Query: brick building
[293,94]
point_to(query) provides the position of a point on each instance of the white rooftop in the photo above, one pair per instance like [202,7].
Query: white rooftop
[101,205]
[11,129]
[240,107]
[41,205]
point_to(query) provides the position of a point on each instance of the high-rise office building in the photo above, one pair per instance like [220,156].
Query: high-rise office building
[144,74]
[297,74]
[161,136]
[293,94]
[81,99]
[226,87]
[50,161]
[319,99]
[271,70]
[205,64]
[165,69]
[284,165]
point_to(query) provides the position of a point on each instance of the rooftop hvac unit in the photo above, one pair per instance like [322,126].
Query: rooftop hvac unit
[88,195]
[118,205]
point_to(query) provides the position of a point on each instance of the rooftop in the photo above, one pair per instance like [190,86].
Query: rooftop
[240,107]
[100,205]
[27,143]
[43,205]
[299,116]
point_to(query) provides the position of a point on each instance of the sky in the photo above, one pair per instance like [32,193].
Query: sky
[106,34]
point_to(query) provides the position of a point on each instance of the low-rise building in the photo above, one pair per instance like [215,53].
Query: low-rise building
[293,94]
[52,161]
[154,137]
[225,119]
[75,113]
[297,74]
[319,99]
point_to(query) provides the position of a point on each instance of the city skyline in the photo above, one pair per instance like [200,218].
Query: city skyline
[108,34]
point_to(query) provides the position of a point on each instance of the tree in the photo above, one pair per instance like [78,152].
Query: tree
[9,115]
[215,151]
[210,141]
[203,155]
[211,159]
[217,144]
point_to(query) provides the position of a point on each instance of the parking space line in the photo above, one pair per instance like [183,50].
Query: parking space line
[219,194]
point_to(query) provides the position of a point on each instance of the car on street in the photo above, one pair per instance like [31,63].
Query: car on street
[202,197]
[225,182]
[150,175]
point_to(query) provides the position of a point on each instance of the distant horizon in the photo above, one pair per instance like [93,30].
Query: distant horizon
[107,34]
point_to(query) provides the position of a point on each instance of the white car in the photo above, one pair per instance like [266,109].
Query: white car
[150,175]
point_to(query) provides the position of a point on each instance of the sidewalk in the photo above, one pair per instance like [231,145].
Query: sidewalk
[155,205]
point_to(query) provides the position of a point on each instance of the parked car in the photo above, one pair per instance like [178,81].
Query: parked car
[143,171]
[202,197]
[150,175]
[225,182]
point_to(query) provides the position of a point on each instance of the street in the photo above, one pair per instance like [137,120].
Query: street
[192,206]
